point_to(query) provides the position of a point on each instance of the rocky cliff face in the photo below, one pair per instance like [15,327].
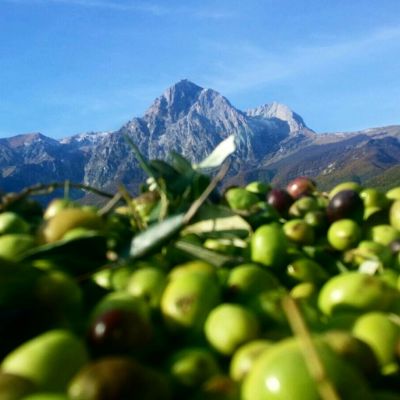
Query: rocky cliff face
[273,143]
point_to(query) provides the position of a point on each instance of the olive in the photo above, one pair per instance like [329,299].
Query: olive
[345,186]
[300,186]
[118,377]
[119,331]
[355,291]
[229,325]
[67,219]
[280,199]
[394,214]
[298,231]
[268,245]
[281,373]
[240,198]
[11,222]
[344,234]
[345,204]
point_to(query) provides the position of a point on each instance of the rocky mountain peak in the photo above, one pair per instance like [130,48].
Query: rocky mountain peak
[273,143]
[174,103]
[28,139]
[279,111]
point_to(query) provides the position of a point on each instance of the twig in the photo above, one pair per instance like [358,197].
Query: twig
[42,189]
[110,205]
[313,361]
[159,185]
[132,208]
[203,197]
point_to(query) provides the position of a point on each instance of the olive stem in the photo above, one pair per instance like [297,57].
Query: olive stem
[313,361]
[110,205]
[203,197]
[41,189]
[141,225]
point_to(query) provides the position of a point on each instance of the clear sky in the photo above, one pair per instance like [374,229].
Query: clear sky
[70,66]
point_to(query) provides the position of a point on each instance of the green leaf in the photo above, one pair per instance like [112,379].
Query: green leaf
[162,169]
[180,163]
[91,239]
[76,255]
[156,235]
[141,160]
[219,154]
[212,257]
[217,219]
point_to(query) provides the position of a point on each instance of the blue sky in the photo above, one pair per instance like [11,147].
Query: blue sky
[70,66]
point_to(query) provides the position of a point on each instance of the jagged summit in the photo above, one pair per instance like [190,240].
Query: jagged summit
[27,139]
[272,142]
[279,111]
[185,97]
[174,102]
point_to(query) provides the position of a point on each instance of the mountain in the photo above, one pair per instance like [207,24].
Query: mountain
[273,143]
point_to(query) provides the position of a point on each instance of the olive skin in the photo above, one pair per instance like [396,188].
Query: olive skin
[280,199]
[344,234]
[381,333]
[394,214]
[268,245]
[280,373]
[240,198]
[298,231]
[118,377]
[355,291]
[345,204]
[230,325]
[67,219]
[301,186]
[186,301]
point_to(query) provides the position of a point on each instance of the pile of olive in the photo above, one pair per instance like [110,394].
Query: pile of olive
[264,293]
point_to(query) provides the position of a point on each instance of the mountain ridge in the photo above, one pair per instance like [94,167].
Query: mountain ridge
[273,143]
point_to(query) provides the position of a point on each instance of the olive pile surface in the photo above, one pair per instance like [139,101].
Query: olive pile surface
[252,293]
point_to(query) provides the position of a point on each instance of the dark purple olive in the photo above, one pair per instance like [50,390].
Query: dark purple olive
[118,331]
[118,378]
[346,204]
[280,199]
[301,186]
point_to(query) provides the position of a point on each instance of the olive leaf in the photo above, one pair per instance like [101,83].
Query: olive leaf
[212,257]
[180,163]
[156,235]
[218,219]
[159,233]
[75,255]
[219,154]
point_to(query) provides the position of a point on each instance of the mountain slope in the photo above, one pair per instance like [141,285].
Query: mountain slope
[273,144]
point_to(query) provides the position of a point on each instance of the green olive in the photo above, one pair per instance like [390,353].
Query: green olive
[14,245]
[67,219]
[394,214]
[228,326]
[383,234]
[306,270]
[281,373]
[344,234]
[56,205]
[11,222]
[257,187]
[269,245]
[382,334]
[394,193]
[298,231]
[345,186]
[240,198]
[355,291]
[373,198]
